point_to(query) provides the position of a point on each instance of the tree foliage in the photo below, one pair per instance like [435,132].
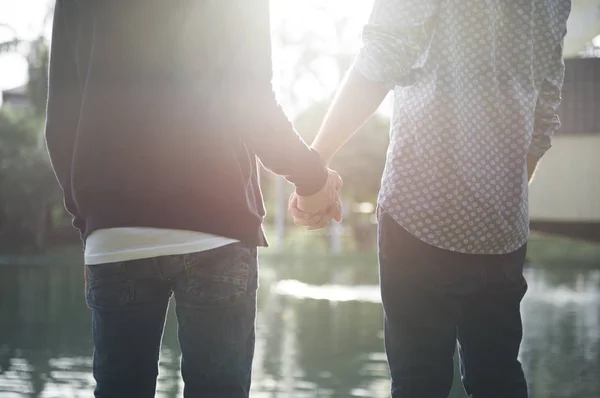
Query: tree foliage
[11,44]
[28,189]
[38,67]
[27,183]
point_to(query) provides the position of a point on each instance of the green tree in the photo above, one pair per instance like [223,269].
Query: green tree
[28,191]
[38,67]
[27,183]
[9,45]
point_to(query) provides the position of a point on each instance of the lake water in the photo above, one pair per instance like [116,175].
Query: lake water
[319,333]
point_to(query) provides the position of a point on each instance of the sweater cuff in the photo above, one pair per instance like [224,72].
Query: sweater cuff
[314,179]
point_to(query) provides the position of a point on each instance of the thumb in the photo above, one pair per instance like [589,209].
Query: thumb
[338,182]
[293,202]
[337,215]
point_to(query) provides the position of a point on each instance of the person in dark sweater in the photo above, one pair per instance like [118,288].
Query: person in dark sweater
[157,113]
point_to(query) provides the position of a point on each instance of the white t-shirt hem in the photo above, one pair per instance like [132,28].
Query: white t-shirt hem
[118,245]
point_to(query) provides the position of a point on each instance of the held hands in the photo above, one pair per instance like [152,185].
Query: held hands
[315,211]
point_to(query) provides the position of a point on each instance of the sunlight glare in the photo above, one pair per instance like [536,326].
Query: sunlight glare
[335,293]
[328,28]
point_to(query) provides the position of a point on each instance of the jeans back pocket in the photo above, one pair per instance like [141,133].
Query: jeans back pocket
[218,277]
[107,286]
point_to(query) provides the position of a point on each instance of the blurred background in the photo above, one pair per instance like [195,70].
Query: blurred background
[320,322]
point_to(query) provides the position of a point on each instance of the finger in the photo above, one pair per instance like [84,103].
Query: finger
[321,224]
[332,211]
[305,219]
[335,179]
[337,214]
[302,215]
[339,183]
[314,220]
[293,205]
[333,189]
[295,211]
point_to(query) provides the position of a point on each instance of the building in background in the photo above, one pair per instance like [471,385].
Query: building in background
[17,97]
[565,194]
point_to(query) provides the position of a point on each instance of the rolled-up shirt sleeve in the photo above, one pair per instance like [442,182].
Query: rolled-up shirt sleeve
[395,41]
[546,121]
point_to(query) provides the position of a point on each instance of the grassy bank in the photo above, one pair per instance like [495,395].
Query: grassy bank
[553,251]
[544,251]
[71,254]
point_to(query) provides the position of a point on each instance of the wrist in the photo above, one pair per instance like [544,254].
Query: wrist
[326,155]
[314,181]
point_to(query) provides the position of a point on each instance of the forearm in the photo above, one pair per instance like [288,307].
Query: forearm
[384,62]
[357,99]
[265,128]
[281,150]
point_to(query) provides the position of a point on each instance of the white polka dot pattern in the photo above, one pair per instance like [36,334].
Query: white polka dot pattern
[477,87]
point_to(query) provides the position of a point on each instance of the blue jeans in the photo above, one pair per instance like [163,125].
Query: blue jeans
[432,297]
[215,295]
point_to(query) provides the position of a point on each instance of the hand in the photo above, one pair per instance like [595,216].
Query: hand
[317,220]
[317,210]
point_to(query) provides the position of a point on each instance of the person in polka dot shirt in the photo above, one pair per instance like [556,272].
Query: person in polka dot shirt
[476,88]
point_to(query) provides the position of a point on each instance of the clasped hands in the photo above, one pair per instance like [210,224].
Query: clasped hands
[315,211]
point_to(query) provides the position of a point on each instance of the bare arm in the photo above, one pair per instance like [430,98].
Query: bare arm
[395,38]
[357,99]
[267,131]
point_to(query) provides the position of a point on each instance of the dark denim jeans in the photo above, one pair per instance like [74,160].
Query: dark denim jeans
[215,295]
[431,298]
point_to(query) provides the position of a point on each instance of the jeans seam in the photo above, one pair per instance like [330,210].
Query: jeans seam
[156,264]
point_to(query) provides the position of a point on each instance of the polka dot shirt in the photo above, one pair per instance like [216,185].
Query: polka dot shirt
[476,90]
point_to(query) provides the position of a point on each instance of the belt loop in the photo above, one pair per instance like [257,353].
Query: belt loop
[157,269]
[124,271]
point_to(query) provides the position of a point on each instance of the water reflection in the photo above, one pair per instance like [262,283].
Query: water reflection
[318,334]
[561,344]
[334,293]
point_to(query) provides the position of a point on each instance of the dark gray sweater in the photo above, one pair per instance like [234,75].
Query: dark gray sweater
[158,110]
